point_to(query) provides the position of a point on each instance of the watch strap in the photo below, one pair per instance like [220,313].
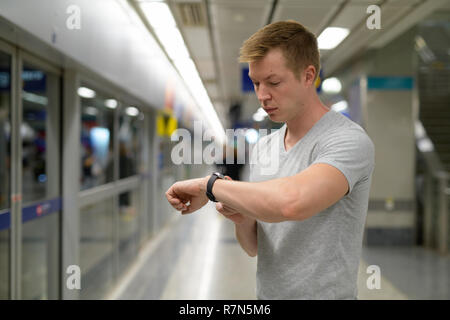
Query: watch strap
[210,184]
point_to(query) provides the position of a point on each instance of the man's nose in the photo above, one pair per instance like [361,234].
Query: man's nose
[263,94]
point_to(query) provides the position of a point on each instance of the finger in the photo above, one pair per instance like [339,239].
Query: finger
[171,196]
[174,202]
[228,178]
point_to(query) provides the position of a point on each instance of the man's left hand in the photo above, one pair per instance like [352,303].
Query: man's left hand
[189,195]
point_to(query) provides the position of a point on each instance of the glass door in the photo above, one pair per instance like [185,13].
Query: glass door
[5,171]
[39,180]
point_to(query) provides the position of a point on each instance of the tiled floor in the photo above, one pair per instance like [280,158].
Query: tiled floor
[197,257]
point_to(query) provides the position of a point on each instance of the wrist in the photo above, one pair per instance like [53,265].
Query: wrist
[203,183]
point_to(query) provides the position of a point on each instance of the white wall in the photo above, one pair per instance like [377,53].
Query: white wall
[112,42]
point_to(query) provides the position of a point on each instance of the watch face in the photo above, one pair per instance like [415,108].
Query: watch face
[221,176]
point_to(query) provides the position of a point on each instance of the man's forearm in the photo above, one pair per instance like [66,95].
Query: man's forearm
[246,234]
[262,201]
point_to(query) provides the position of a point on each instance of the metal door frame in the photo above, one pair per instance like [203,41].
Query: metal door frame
[12,51]
[18,57]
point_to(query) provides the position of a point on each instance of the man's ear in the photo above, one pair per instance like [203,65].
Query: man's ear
[309,74]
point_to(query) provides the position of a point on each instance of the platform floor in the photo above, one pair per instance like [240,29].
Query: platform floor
[197,257]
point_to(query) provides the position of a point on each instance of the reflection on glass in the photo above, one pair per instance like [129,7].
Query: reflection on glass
[97,137]
[4,264]
[166,177]
[40,166]
[34,132]
[40,263]
[129,141]
[96,249]
[5,166]
[128,228]
[5,128]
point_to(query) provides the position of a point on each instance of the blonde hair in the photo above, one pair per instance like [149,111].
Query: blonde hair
[297,43]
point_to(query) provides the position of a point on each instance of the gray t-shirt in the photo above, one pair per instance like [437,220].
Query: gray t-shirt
[316,258]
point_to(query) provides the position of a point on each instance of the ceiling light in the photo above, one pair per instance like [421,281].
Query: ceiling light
[251,135]
[132,111]
[86,92]
[35,98]
[111,103]
[425,145]
[158,14]
[258,117]
[331,37]
[91,111]
[172,42]
[340,106]
[331,85]
[419,130]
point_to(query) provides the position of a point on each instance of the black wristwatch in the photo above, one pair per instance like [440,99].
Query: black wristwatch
[209,186]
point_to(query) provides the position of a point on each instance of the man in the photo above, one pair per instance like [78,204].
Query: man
[304,221]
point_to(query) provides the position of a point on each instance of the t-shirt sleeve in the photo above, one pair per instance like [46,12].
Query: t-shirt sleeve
[351,151]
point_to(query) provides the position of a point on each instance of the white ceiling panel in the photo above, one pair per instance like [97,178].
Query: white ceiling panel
[212,89]
[312,14]
[198,42]
[233,22]
[206,69]
[351,16]
[236,18]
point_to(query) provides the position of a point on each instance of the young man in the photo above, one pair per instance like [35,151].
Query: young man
[305,220]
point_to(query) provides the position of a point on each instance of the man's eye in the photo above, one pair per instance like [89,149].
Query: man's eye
[274,83]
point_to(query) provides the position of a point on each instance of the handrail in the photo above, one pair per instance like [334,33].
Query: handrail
[435,170]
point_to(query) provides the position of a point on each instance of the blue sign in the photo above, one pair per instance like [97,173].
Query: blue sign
[34,80]
[390,83]
[5,220]
[5,81]
[247,83]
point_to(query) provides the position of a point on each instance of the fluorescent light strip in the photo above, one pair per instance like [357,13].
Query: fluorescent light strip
[158,14]
[31,97]
[86,92]
[172,42]
[331,37]
[160,17]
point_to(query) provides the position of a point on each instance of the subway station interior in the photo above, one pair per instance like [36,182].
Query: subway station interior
[94,95]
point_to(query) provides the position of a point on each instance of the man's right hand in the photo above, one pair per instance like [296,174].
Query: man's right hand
[230,213]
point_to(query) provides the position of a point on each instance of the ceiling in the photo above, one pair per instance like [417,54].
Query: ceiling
[214,31]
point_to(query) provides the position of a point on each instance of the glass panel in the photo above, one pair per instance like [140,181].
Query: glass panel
[4,264]
[40,181]
[128,228]
[5,128]
[96,249]
[40,263]
[34,134]
[97,137]
[5,167]
[130,140]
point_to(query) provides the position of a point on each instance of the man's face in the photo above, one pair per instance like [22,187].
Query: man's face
[280,93]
